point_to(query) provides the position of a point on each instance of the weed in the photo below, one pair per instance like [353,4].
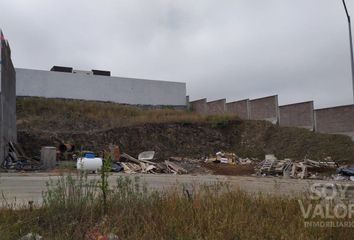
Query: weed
[104,173]
[72,208]
[219,121]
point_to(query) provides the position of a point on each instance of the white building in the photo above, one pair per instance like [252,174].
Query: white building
[62,82]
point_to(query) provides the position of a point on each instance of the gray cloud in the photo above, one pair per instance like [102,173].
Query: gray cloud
[234,49]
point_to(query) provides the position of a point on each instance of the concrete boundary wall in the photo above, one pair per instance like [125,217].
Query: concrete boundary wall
[217,107]
[297,115]
[239,108]
[335,120]
[199,106]
[8,131]
[265,108]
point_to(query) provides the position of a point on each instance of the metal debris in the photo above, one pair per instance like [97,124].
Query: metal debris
[17,160]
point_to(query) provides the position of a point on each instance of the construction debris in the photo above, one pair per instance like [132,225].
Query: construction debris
[137,161]
[148,156]
[299,170]
[272,166]
[295,169]
[244,161]
[143,165]
[117,167]
[175,168]
[320,164]
[17,160]
[66,151]
[147,164]
[131,168]
[339,177]
[221,157]
[346,171]
[115,152]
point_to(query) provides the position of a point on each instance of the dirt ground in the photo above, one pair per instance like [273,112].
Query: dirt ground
[229,170]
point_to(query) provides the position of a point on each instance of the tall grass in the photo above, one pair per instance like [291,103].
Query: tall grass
[60,114]
[72,209]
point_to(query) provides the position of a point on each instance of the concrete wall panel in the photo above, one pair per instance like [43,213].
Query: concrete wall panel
[217,107]
[199,106]
[8,130]
[297,115]
[238,108]
[339,120]
[265,109]
[100,88]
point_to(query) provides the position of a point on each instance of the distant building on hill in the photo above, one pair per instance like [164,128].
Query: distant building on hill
[98,85]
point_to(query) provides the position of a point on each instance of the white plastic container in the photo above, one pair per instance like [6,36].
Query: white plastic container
[89,164]
[270,157]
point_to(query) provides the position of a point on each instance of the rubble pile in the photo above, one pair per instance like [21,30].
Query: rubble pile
[144,165]
[228,158]
[306,168]
[125,163]
[345,173]
[17,160]
[223,163]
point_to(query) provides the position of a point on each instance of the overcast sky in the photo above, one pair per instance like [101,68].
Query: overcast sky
[232,49]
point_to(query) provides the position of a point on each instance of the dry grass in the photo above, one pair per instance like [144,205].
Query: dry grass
[59,114]
[73,209]
[41,121]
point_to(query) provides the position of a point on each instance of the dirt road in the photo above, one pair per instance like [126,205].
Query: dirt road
[21,188]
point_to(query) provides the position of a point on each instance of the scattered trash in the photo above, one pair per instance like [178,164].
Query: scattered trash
[148,155]
[17,160]
[272,166]
[131,167]
[112,236]
[66,147]
[339,177]
[321,164]
[150,169]
[31,236]
[306,168]
[147,164]
[95,234]
[175,168]
[143,165]
[66,151]
[117,167]
[299,170]
[221,157]
[244,161]
[115,152]
[347,171]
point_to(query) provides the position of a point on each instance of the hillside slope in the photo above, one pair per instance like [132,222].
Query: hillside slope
[93,126]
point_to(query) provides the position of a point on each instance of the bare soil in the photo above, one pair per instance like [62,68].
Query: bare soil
[229,170]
